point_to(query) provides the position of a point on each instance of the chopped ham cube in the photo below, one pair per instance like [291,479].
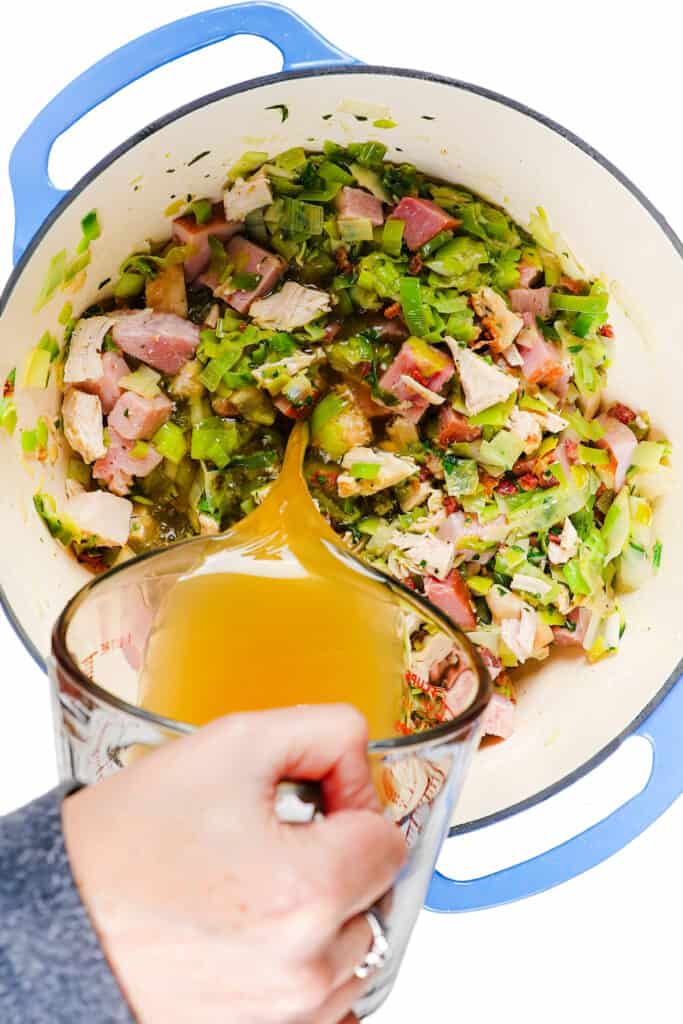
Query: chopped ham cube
[136,418]
[356,203]
[528,274]
[118,467]
[492,662]
[83,425]
[621,443]
[188,232]
[454,428]
[542,360]
[531,300]
[430,367]
[161,340]
[166,292]
[423,220]
[293,306]
[101,515]
[106,387]
[499,717]
[84,362]
[246,196]
[247,258]
[452,597]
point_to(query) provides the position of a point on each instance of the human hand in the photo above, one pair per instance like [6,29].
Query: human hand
[210,909]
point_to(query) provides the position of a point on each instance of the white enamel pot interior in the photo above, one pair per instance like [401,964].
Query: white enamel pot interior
[569,713]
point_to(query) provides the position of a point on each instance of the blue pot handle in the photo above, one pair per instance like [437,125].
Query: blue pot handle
[664,730]
[34,194]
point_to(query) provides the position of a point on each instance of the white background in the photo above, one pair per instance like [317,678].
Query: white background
[604,946]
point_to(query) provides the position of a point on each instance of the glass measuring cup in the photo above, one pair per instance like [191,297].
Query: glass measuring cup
[98,650]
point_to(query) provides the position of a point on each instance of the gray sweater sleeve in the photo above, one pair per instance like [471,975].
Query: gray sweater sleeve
[52,968]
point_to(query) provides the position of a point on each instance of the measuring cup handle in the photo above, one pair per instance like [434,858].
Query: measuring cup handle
[35,196]
[664,732]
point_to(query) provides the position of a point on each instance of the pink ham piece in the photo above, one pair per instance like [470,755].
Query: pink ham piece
[499,717]
[531,300]
[187,231]
[136,418]
[162,340]
[106,387]
[620,442]
[454,428]
[356,203]
[117,468]
[423,219]
[461,693]
[247,258]
[541,360]
[492,662]
[564,637]
[424,364]
[452,597]
[528,274]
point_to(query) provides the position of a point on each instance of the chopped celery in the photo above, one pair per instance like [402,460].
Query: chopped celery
[8,415]
[503,451]
[462,476]
[144,382]
[479,585]
[392,236]
[214,439]
[77,470]
[617,525]
[411,304]
[496,415]
[356,229]
[53,278]
[593,456]
[365,470]
[170,442]
[247,164]
[579,303]
[37,369]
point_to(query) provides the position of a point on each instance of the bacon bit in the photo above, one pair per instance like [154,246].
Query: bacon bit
[415,264]
[489,483]
[433,463]
[7,388]
[606,330]
[506,487]
[571,449]
[600,491]
[404,729]
[243,326]
[523,466]
[364,369]
[409,582]
[224,407]
[331,332]
[572,285]
[295,412]
[92,561]
[622,413]
[450,504]
[424,473]
[392,311]
[504,680]
[488,327]
[528,482]
[534,541]
[325,478]
[341,258]
[548,479]
[419,377]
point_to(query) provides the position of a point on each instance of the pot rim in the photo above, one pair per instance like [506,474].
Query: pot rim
[369,69]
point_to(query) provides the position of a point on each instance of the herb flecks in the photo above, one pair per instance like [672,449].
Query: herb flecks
[282,107]
[198,157]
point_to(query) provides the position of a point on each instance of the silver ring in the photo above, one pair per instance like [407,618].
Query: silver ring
[380,950]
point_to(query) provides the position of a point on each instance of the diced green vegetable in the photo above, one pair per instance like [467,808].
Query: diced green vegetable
[337,424]
[144,382]
[245,282]
[60,526]
[458,257]
[593,456]
[170,442]
[247,164]
[344,355]
[617,526]
[90,226]
[365,470]
[37,370]
[301,221]
[589,430]
[503,451]
[8,415]
[50,345]
[392,236]
[579,303]
[657,554]
[479,585]
[139,450]
[649,454]
[369,179]
[496,415]
[214,439]
[291,159]
[53,279]
[355,229]
[571,571]
[462,476]
[201,209]
[411,304]
[129,285]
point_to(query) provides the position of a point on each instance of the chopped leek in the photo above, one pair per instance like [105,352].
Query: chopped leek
[90,226]
[365,470]
[144,382]
[617,525]
[356,229]
[579,303]
[247,164]
[170,442]
[37,369]
[214,439]
[593,456]
[503,451]
[462,476]
[411,304]
[201,210]
[8,415]
[479,585]
[53,279]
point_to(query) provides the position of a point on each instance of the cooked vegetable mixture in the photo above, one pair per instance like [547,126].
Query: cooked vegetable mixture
[452,370]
